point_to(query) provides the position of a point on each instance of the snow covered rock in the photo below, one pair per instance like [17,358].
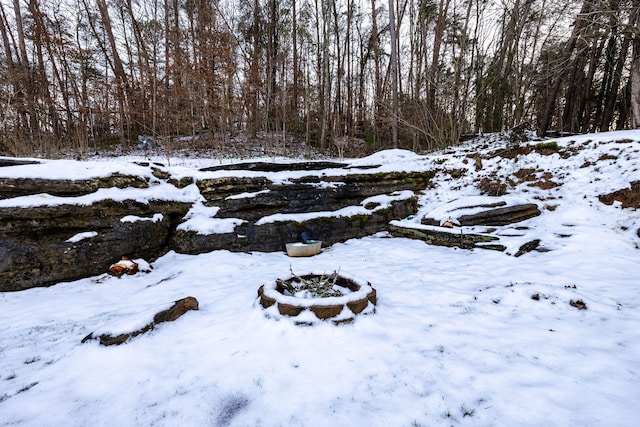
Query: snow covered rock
[15,187]
[442,236]
[269,212]
[494,215]
[272,233]
[68,220]
[38,247]
[482,210]
[139,323]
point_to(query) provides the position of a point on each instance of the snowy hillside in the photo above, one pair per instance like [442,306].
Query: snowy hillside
[458,337]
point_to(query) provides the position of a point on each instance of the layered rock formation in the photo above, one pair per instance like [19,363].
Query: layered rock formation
[38,247]
[67,239]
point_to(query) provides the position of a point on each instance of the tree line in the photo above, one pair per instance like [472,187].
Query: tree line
[416,74]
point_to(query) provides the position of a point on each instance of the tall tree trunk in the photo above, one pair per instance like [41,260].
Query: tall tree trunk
[42,38]
[394,74]
[254,72]
[11,66]
[349,59]
[635,89]
[587,106]
[28,112]
[458,107]
[338,109]
[5,40]
[580,22]
[273,51]
[144,67]
[443,9]
[118,68]
[296,67]
[574,92]
[375,42]
[325,101]
[614,90]
[635,80]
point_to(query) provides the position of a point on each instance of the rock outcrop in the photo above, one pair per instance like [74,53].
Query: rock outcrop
[38,247]
[470,222]
[273,236]
[50,243]
[305,195]
[263,197]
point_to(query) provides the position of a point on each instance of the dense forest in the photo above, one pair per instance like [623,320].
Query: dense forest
[416,74]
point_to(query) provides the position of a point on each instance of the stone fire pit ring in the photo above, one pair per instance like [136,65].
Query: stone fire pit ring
[359,298]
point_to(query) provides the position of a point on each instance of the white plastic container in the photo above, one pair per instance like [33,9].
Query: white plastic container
[310,248]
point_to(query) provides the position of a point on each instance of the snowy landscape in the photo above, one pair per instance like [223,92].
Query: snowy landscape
[458,337]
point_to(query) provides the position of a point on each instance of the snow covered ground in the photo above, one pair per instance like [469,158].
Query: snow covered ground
[456,339]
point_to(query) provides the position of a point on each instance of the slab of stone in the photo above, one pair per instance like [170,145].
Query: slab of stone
[501,216]
[447,238]
[493,216]
[15,187]
[276,167]
[178,308]
[528,247]
[252,198]
[16,162]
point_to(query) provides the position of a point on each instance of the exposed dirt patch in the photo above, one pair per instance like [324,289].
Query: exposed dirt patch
[542,148]
[511,153]
[456,173]
[547,148]
[526,174]
[545,182]
[629,197]
[532,176]
[608,157]
[492,187]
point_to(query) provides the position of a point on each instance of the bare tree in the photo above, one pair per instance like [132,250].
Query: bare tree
[394,74]
[634,23]
[579,24]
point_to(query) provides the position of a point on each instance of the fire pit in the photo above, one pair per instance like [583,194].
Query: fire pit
[316,297]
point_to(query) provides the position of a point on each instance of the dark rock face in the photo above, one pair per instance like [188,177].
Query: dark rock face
[305,194]
[17,162]
[301,195]
[35,250]
[14,187]
[273,236]
[528,247]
